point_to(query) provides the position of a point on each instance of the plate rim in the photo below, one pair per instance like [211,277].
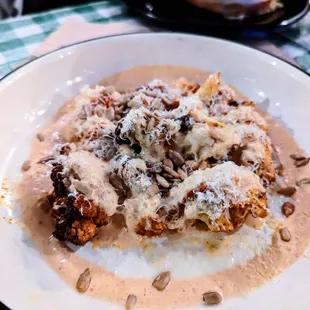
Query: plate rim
[228,41]
[249,48]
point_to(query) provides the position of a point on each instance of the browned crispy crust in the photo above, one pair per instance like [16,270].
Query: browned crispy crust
[266,170]
[80,232]
[77,218]
[150,228]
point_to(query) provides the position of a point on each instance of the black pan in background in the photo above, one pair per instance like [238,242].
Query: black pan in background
[3,307]
[179,14]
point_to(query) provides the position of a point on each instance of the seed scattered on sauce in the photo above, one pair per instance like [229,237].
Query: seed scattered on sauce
[26,165]
[83,282]
[161,281]
[212,298]
[302,162]
[40,137]
[297,156]
[303,181]
[131,302]
[288,209]
[285,234]
[287,191]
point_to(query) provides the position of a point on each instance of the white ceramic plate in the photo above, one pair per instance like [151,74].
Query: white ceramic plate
[31,95]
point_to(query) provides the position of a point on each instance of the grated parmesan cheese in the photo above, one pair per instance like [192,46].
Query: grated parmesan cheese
[152,120]
[227,184]
[85,170]
[132,171]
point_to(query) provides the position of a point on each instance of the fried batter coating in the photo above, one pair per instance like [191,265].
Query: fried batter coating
[150,228]
[77,218]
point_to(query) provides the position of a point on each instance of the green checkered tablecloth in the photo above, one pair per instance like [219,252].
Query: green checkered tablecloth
[19,37]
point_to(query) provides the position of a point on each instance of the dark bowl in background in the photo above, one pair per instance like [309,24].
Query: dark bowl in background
[181,15]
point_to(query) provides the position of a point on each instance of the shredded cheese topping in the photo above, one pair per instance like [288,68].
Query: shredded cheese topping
[131,138]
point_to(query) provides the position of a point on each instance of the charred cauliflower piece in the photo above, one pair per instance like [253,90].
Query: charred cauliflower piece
[164,157]
[84,199]
[222,197]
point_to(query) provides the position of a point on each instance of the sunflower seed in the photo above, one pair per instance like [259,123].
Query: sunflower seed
[167,176]
[203,165]
[162,181]
[285,234]
[215,134]
[98,111]
[171,171]
[288,209]
[167,162]
[151,124]
[83,282]
[297,156]
[303,181]
[302,162]
[116,182]
[212,298]
[176,157]
[152,115]
[26,165]
[276,158]
[166,100]
[88,110]
[118,110]
[156,104]
[40,137]
[153,189]
[182,174]
[143,122]
[46,159]
[131,302]
[287,191]
[161,281]
[150,93]
[110,114]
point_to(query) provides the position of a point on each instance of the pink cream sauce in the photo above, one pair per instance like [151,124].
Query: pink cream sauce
[180,292]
